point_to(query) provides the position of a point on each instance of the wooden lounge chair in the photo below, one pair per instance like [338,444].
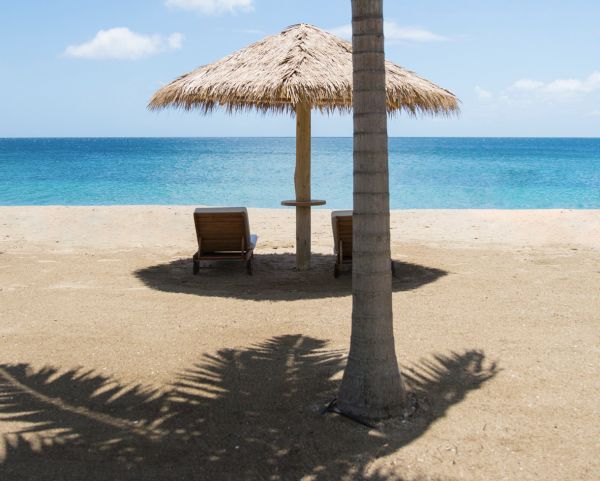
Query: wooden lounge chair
[341,223]
[223,234]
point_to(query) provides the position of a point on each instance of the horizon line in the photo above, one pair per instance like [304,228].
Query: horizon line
[293,137]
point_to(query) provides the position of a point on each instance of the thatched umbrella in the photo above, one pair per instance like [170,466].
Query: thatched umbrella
[297,70]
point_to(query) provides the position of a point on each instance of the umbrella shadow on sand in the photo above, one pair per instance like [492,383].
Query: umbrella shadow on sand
[275,278]
[248,414]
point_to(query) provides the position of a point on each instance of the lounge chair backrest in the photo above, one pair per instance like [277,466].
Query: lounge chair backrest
[341,221]
[222,229]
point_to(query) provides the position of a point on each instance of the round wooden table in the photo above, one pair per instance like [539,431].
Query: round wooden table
[303,203]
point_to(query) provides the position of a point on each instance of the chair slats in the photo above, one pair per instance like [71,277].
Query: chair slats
[222,236]
[220,232]
[344,226]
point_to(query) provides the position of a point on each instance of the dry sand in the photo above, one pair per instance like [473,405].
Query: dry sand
[116,363]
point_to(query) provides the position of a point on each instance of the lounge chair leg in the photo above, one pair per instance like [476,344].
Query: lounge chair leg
[195,267]
[249,267]
[336,271]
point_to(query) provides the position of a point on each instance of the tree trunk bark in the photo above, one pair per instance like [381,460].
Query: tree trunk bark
[372,387]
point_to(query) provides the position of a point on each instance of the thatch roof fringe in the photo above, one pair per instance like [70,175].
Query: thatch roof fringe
[302,63]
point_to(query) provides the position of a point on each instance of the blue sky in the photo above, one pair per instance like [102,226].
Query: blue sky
[88,68]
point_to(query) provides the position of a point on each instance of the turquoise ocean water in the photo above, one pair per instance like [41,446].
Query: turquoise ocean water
[507,173]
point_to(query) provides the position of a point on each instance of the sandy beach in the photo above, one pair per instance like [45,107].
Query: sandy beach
[117,363]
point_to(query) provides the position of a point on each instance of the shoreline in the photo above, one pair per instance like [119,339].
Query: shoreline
[131,226]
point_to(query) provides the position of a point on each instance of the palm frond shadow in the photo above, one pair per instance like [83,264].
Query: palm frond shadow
[275,278]
[242,414]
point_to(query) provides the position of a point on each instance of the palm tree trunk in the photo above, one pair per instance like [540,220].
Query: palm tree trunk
[372,387]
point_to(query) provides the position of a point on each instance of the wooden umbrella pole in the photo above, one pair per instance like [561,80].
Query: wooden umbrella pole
[302,184]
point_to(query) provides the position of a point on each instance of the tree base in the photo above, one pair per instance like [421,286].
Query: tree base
[410,410]
[332,407]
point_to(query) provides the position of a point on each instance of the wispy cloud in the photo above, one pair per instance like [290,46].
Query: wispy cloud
[560,86]
[212,7]
[393,31]
[482,93]
[121,43]
[527,85]
[529,91]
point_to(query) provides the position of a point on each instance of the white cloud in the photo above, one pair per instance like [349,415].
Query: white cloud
[212,7]
[482,93]
[393,31]
[527,85]
[560,86]
[175,41]
[343,31]
[122,43]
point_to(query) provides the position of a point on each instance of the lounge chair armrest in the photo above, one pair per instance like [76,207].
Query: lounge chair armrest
[253,241]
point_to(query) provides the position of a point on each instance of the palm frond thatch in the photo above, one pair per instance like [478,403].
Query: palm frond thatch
[301,64]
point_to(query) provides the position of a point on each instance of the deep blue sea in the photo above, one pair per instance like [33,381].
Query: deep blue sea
[507,173]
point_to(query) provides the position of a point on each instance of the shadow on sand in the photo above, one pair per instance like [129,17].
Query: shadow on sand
[275,278]
[251,414]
